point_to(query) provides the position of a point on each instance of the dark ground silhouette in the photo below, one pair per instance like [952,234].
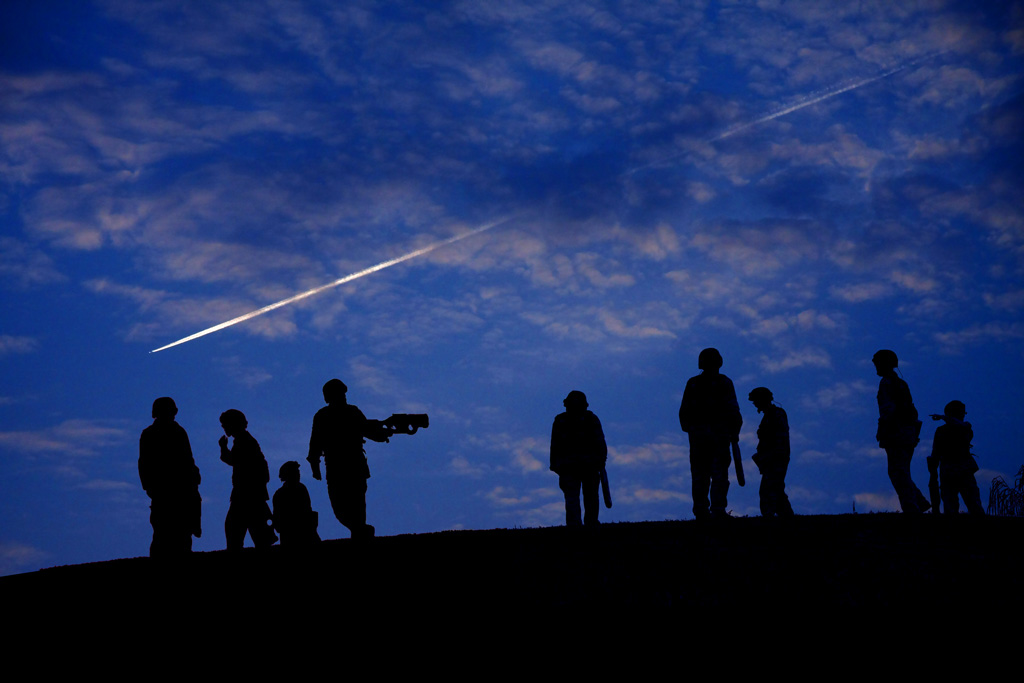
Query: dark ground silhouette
[833,569]
[851,594]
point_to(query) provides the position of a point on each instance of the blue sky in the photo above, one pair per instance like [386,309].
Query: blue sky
[167,166]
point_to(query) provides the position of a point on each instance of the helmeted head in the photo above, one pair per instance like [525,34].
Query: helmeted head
[576,400]
[760,395]
[334,391]
[885,359]
[709,359]
[289,471]
[955,409]
[233,420]
[164,407]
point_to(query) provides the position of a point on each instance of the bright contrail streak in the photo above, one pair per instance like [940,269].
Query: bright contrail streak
[814,99]
[348,278]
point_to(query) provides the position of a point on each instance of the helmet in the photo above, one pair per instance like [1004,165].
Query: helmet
[334,389]
[885,358]
[289,470]
[164,407]
[760,393]
[955,409]
[234,417]
[576,398]
[709,358]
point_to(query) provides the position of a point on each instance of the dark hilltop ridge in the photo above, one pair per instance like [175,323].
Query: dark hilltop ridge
[837,570]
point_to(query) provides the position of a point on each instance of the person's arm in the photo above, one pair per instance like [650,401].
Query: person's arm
[225,455]
[686,409]
[733,406]
[315,451]
[599,443]
[145,473]
[556,447]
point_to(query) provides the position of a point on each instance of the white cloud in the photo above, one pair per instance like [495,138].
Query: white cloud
[845,396]
[997,331]
[647,455]
[877,502]
[18,557]
[11,344]
[75,437]
[806,357]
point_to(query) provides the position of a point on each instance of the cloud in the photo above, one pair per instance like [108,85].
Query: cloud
[862,291]
[974,335]
[26,266]
[11,344]
[806,357]
[877,502]
[17,557]
[845,396]
[530,455]
[647,455]
[508,496]
[648,495]
[75,437]
[460,465]
[1005,301]
[758,251]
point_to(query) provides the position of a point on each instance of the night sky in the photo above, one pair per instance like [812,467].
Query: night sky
[797,184]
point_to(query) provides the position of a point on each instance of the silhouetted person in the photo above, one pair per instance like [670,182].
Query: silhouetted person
[772,456]
[578,453]
[294,518]
[171,480]
[339,432]
[899,431]
[710,415]
[250,475]
[951,451]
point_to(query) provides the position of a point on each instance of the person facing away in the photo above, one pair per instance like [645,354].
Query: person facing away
[951,453]
[339,432]
[171,480]
[294,517]
[772,456]
[710,415]
[250,475]
[578,454]
[898,431]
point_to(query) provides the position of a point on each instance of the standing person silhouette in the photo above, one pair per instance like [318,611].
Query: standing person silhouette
[772,456]
[710,415]
[171,480]
[339,432]
[951,452]
[898,430]
[250,475]
[578,453]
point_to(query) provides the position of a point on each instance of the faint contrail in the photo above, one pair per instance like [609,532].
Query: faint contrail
[807,103]
[813,99]
[348,278]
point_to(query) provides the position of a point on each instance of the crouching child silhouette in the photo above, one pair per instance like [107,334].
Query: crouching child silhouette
[294,517]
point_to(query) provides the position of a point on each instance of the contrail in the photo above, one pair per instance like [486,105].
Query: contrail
[807,103]
[813,99]
[348,278]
